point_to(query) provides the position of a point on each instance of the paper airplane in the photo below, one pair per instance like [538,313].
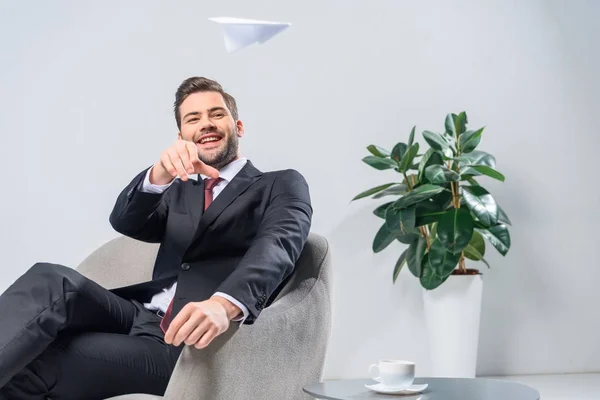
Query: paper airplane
[240,33]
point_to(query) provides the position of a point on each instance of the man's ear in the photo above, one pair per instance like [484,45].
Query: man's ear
[240,128]
[179,135]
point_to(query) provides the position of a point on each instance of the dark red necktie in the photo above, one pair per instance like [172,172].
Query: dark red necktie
[209,185]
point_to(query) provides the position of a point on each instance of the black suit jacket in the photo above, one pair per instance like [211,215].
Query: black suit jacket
[246,244]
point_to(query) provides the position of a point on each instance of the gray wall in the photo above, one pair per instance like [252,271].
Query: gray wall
[86,90]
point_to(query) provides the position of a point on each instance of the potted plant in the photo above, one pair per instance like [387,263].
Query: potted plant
[444,216]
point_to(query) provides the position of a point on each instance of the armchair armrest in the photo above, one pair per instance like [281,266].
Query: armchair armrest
[273,358]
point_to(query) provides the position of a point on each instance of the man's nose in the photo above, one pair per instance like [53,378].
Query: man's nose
[207,124]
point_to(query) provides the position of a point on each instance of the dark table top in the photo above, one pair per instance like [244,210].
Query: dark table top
[438,389]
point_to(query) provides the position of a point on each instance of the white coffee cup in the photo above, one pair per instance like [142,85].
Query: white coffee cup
[394,373]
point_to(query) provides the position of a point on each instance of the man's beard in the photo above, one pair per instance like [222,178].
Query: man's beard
[225,155]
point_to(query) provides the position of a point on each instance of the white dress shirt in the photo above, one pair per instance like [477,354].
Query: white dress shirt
[161,300]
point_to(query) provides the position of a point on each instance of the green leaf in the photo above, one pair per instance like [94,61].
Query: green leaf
[475,250]
[443,262]
[427,212]
[396,190]
[408,157]
[449,124]
[430,210]
[380,163]
[438,174]
[429,278]
[472,181]
[428,218]
[470,140]
[502,217]
[499,237]
[428,205]
[444,199]
[408,217]
[462,159]
[460,123]
[479,158]
[399,264]
[481,203]
[438,265]
[479,225]
[436,141]
[380,211]
[433,231]
[383,238]
[411,138]
[414,256]
[392,220]
[394,217]
[371,191]
[455,229]
[431,157]
[398,151]
[407,238]
[419,194]
[485,170]
[378,151]
[475,255]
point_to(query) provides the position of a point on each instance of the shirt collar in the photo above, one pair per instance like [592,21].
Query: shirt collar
[228,172]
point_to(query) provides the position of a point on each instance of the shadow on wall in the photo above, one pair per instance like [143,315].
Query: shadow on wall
[515,285]
[366,301]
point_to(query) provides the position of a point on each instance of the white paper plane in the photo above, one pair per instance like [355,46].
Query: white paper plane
[240,33]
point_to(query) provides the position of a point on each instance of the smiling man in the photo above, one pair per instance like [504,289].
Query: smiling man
[229,236]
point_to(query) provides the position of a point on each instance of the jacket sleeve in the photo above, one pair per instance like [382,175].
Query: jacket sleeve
[140,215]
[277,246]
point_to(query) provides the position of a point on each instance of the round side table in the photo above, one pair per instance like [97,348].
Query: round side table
[437,389]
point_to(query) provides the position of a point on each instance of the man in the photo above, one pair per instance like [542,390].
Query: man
[229,239]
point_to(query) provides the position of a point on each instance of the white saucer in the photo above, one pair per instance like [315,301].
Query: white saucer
[381,388]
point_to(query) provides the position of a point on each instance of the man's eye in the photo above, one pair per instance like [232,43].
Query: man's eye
[193,120]
[218,115]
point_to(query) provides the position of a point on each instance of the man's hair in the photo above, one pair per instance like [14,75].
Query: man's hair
[201,84]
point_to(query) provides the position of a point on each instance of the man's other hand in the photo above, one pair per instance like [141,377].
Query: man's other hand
[197,324]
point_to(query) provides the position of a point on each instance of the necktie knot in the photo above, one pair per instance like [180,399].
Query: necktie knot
[210,183]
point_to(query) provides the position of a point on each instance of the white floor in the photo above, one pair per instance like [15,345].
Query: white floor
[562,387]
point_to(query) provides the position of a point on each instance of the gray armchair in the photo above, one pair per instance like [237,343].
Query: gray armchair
[272,359]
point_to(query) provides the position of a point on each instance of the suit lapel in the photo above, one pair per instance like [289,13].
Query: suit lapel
[238,185]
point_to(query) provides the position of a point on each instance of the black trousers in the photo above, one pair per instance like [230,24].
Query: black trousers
[62,336]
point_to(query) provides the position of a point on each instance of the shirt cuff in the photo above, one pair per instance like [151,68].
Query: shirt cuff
[237,303]
[148,187]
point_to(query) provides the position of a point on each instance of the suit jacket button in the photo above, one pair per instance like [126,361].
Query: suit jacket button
[185,266]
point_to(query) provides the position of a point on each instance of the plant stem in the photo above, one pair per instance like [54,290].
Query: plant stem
[455,194]
[409,182]
[461,264]
[424,233]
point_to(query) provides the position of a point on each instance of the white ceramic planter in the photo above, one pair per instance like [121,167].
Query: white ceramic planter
[452,314]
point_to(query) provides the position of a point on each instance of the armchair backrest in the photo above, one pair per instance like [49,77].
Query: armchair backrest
[121,261]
